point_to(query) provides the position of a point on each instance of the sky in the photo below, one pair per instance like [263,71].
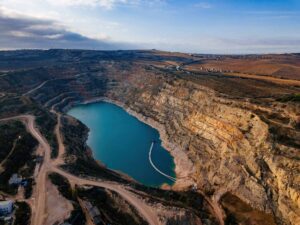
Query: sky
[194,26]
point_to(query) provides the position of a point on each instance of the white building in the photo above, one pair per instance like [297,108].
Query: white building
[6,208]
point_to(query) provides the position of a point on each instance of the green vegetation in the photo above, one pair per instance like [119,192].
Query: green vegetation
[290,98]
[47,122]
[12,106]
[113,209]
[21,160]
[77,216]
[63,186]
[28,188]
[22,213]
[190,200]
[8,134]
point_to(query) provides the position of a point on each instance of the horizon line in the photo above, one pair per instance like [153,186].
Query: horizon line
[153,49]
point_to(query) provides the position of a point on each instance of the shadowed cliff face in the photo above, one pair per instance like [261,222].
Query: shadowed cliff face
[229,136]
[230,142]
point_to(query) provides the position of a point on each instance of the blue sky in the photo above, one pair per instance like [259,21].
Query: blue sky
[211,26]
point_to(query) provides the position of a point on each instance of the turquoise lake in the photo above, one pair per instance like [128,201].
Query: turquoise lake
[122,142]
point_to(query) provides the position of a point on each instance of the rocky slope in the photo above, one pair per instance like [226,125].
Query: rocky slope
[223,144]
[220,143]
[229,136]
[232,145]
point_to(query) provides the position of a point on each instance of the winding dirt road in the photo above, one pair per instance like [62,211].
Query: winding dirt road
[38,200]
[61,147]
[39,196]
[145,211]
[46,81]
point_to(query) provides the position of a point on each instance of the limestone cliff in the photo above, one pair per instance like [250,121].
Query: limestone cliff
[223,144]
[228,135]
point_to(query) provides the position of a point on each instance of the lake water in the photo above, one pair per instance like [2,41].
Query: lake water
[122,142]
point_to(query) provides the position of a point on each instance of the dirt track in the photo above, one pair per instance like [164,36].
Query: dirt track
[143,209]
[39,195]
[61,147]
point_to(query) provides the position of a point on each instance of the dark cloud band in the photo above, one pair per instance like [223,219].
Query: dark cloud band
[24,32]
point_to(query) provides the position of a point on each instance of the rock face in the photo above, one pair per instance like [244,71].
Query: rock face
[227,134]
[223,144]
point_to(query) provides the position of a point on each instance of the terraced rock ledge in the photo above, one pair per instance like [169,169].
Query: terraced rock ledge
[231,137]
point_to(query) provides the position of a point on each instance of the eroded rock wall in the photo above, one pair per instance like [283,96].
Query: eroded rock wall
[221,143]
[228,145]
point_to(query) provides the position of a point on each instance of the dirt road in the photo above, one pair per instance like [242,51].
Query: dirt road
[144,210]
[141,206]
[45,82]
[61,147]
[39,195]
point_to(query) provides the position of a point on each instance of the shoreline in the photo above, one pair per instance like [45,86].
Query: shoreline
[183,165]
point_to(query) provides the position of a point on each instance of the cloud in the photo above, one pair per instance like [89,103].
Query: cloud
[19,31]
[203,5]
[102,3]
[107,4]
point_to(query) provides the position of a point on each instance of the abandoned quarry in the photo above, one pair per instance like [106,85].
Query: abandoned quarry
[149,137]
